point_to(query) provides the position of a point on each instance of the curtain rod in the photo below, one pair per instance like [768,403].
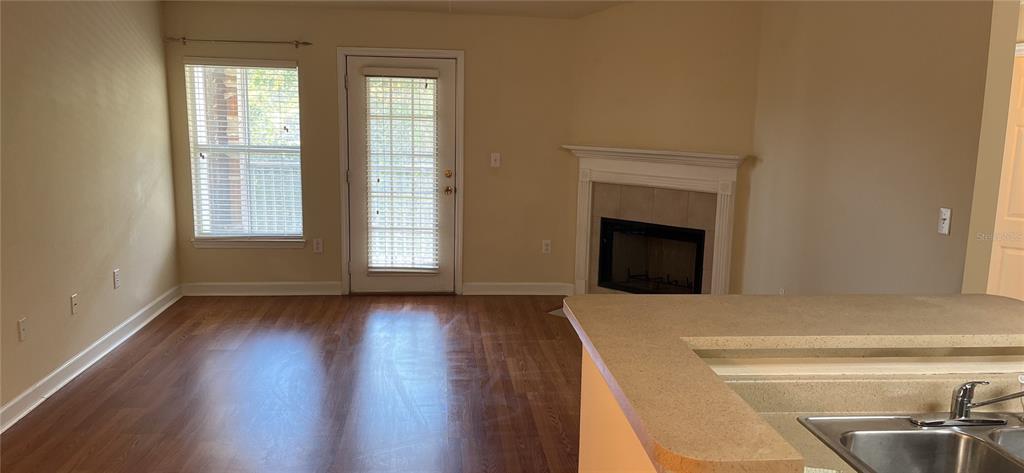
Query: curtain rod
[185,40]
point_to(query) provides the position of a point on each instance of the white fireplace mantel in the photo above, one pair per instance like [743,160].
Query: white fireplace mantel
[680,170]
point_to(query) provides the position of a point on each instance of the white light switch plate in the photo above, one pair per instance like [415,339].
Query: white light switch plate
[117,278]
[495,160]
[944,216]
[74,304]
[22,329]
[318,245]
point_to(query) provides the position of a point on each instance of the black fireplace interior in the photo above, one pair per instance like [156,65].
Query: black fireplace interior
[644,258]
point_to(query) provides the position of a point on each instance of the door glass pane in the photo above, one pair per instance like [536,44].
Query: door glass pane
[402,192]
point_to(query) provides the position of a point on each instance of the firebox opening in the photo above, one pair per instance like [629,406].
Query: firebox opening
[645,258]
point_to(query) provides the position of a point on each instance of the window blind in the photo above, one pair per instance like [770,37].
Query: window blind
[245,151]
[402,177]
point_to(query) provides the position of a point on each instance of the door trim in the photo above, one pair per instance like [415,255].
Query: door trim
[459,57]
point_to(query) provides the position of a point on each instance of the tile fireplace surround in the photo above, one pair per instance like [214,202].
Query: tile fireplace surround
[670,170]
[660,206]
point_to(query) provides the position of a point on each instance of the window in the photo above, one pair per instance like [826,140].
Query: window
[402,201]
[243,121]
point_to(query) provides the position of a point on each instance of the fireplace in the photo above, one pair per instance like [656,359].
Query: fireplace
[646,258]
[677,188]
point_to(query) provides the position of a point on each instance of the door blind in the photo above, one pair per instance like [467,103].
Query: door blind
[245,151]
[402,174]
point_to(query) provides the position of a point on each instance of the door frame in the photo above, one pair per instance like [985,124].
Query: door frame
[994,267]
[459,57]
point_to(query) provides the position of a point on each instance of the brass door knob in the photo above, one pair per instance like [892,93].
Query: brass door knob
[449,189]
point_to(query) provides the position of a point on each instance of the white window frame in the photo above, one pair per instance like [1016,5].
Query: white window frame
[298,241]
[460,60]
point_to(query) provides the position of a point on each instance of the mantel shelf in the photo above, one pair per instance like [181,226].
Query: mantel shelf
[657,156]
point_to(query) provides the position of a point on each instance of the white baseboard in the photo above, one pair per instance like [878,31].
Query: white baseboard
[313,288]
[289,288]
[517,289]
[13,411]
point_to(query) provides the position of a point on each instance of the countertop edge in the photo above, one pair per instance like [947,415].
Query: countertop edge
[670,460]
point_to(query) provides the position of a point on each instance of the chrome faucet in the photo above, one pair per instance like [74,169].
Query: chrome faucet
[963,402]
[963,399]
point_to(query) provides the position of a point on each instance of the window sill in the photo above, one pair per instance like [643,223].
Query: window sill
[249,243]
[401,272]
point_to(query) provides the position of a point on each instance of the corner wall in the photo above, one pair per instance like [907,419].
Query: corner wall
[86,177]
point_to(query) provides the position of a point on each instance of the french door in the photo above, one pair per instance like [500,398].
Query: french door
[401,149]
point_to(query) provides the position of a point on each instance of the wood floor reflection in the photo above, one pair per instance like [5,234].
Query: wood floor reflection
[320,384]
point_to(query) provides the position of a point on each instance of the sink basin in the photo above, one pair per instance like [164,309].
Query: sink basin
[1011,439]
[927,451]
[894,444]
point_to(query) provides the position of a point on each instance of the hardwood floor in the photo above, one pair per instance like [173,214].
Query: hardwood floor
[320,384]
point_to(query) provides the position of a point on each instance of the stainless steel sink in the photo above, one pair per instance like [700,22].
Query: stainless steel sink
[894,444]
[1011,439]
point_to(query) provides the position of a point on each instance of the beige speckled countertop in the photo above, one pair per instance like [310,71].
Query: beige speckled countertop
[687,417]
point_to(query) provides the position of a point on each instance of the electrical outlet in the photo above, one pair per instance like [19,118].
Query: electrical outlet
[545,246]
[495,160]
[22,329]
[74,304]
[117,278]
[318,245]
[782,291]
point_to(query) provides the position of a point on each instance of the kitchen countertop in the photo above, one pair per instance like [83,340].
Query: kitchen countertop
[688,419]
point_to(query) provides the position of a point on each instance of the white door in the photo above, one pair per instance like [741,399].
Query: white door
[1006,271]
[401,148]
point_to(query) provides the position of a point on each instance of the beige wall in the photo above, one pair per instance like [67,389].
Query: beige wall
[667,76]
[991,144]
[86,177]
[860,139]
[517,97]
[532,85]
